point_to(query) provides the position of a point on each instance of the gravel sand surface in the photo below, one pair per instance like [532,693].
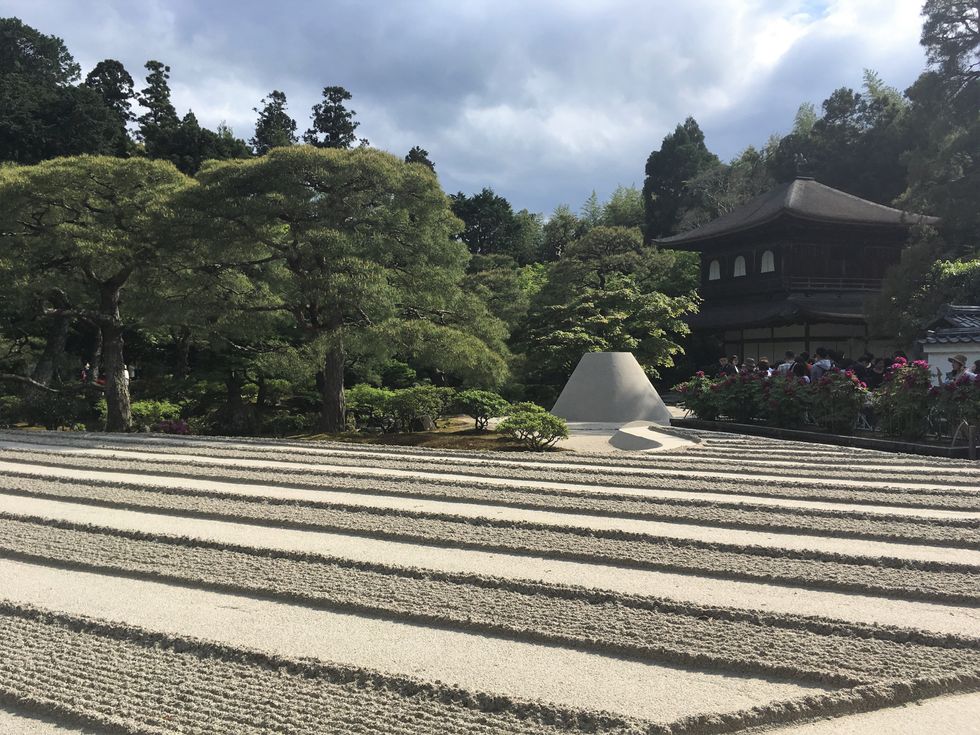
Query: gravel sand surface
[858,608]
[742,582]
[19,722]
[934,504]
[934,479]
[529,671]
[970,537]
[931,581]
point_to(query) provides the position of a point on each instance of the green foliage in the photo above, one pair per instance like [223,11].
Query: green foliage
[420,155]
[274,128]
[957,401]
[489,224]
[333,124]
[740,397]
[786,400]
[698,397]
[147,414]
[902,401]
[397,374]
[533,427]
[410,406]
[681,157]
[482,406]
[837,399]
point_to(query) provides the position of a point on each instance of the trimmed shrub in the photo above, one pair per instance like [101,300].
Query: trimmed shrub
[371,406]
[412,406]
[698,397]
[838,398]
[533,427]
[147,415]
[902,402]
[481,405]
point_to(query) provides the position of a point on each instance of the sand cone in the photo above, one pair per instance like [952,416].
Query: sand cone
[610,387]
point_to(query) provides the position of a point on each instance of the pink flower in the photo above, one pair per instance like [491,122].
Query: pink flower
[699,374]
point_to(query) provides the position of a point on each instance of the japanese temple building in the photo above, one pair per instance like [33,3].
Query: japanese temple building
[792,270]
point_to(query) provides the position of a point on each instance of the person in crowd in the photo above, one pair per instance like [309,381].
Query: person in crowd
[786,366]
[725,367]
[976,367]
[799,370]
[822,364]
[749,366]
[958,363]
[876,374]
[763,367]
[733,361]
[85,373]
[862,366]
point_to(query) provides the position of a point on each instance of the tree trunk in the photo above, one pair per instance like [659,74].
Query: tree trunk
[118,414]
[95,355]
[182,357]
[54,348]
[332,406]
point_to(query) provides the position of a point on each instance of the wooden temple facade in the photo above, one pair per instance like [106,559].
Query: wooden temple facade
[792,270]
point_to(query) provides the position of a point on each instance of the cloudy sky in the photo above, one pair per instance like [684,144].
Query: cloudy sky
[542,100]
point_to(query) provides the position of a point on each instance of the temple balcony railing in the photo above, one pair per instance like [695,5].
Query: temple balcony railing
[833,283]
[772,284]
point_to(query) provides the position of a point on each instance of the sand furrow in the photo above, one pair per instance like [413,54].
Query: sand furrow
[800,453]
[935,503]
[947,583]
[214,502]
[129,679]
[701,591]
[933,479]
[662,631]
[516,670]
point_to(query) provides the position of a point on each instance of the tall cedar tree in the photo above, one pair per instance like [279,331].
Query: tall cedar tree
[274,128]
[418,154]
[42,113]
[682,156]
[333,124]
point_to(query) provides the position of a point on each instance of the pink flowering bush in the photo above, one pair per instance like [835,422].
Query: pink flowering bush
[740,397]
[786,399]
[838,398]
[903,401]
[958,401]
[698,397]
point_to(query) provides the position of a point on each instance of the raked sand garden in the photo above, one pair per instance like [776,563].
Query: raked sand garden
[152,584]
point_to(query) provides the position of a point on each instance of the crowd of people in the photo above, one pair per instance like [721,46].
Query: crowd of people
[869,369]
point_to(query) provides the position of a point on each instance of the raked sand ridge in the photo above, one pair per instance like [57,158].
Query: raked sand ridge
[153,584]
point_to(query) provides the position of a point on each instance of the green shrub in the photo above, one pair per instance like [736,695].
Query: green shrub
[481,405]
[412,405]
[371,406]
[787,399]
[958,401]
[276,390]
[740,397]
[698,397]
[53,410]
[147,415]
[533,427]
[11,410]
[838,398]
[902,402]
[284,423]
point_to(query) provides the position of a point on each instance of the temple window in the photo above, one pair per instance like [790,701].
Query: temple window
[739,266]
[768,262]
[714,271]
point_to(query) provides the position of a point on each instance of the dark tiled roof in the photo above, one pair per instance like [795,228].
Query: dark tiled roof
[804,198]
[955,324]
[794,309]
